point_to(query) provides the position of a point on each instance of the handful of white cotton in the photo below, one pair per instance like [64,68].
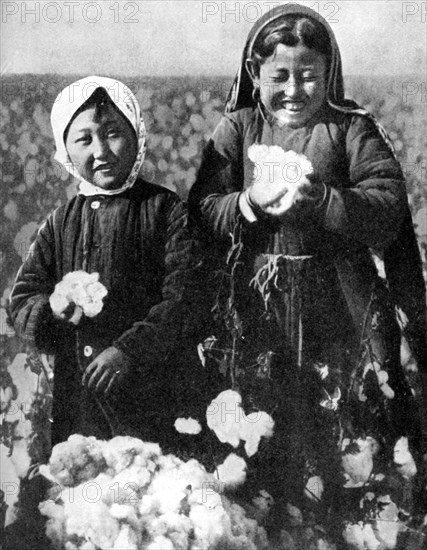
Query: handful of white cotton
[79,288]
[277,174]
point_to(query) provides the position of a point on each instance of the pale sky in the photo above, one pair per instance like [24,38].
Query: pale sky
[172,38]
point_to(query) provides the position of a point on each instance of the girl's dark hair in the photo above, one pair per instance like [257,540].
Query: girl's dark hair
[291,30]
[100,100]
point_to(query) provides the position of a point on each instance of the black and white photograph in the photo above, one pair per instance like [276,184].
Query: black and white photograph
[213,275]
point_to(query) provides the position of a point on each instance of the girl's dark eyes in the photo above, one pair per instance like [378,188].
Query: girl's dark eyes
[84,139]
[109,133]
[307,77]
[113,132]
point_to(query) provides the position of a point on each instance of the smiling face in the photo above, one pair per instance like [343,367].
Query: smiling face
[102,146]
[292,84]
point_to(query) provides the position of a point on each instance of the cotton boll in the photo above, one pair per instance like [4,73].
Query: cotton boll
[224,415]
[127,539]
[314,488]
[210,525]
[121,451]
[323,544]
[145,467]
[357,462]
[387,525]
[169,485]
[127,485]
[262,506]
[58,303]
[407,359]
[257,152]
[353,536]
[91,521]
[226,418]
[122,512]
[208,496]
[179,540]
[286,541]
[55,525]
[379,264]
[370,540]
[232,472]
[403,458]
[245,532]
[264,501]
[161,543]
[148,505]
[187,426]
[254,426]
[195,473]
[383,384]
[76,460]
[96,291]
[20,457]
[176,527]
[167,493]
[79,277]
[92,309]
[294,515]
[25,380]
[241,525]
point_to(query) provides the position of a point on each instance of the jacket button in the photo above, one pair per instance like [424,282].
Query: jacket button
[87,351]
[95,205]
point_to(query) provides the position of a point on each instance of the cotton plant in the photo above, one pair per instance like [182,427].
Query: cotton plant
[10,485]
[142,499]
[24,407]
[81,289]
[24,431]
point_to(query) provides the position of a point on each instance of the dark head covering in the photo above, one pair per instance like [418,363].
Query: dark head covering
[240,95]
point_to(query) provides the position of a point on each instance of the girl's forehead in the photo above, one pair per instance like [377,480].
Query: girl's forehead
[96,115]
[295,55]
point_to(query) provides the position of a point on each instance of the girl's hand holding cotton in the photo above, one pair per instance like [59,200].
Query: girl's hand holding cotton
[281,181]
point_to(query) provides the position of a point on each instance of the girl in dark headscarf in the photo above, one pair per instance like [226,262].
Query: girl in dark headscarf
[112,370]
[318,342]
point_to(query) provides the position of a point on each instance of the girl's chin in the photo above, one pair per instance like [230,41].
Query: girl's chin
[290,118]
[107,183]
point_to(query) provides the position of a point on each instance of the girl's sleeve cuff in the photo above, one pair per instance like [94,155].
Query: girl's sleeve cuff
[245,207]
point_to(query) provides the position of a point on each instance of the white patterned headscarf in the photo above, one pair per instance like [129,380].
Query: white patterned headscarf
[69,102]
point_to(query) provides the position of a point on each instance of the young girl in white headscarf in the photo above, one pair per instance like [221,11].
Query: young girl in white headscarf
[110,346]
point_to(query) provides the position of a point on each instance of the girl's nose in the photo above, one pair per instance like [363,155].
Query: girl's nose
[292,88]
[100,147]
